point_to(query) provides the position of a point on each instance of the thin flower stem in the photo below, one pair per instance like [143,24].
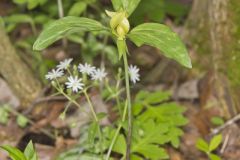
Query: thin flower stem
[69,98]
[69,72]
[129,134]
[117,132]
[96,120]
[91,106]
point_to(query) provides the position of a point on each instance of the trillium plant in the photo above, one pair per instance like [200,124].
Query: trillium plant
[78,77]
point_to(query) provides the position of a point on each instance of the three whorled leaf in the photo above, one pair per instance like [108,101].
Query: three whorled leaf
[63,27]
[161,37]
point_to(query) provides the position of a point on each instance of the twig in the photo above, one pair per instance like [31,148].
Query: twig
[229,122]
[46,132]
[226,140]
[42,100]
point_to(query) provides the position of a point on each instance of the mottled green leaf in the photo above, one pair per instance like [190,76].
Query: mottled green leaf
[161,37]
[63,27]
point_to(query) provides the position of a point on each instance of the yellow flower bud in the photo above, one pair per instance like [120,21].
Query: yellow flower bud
[116,20]
[125,25]
[121,33]
[119,23]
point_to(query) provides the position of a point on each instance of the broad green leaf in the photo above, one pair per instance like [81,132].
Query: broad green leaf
[214,157]
[22,121]
[202,145]
[117,4]
[63,27]
[142,13]
[161,37]
[215,142]
[127,5]
[14,153]
[30,152]
[77,9]
[132,5]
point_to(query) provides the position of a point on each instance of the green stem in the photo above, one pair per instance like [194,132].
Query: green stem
[96,120]
[90,105]
[58,88]
[117,132]
[129,134]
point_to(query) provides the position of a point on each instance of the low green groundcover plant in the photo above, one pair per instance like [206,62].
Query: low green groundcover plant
[208,149]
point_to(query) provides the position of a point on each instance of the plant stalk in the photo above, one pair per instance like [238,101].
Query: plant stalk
[129,134]
[91,106]
[96,120]
[117,132]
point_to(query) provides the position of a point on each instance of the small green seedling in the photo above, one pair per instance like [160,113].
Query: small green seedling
[203,146]
[217,121]
[15,154]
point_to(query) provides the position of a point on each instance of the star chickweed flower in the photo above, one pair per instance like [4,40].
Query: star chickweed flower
[74,83]
[133,72]
[64,64]
[98,74]
[54,74]
[86,68]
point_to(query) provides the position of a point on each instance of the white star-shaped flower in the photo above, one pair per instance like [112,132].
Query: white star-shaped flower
[64,64]
[133,72]
[74,83]
[54,74]
[98,74]
[86,68]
